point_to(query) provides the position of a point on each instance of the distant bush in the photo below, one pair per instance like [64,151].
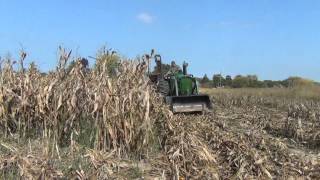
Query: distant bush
[252,81]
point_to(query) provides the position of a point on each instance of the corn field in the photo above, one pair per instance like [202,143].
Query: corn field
[108,122]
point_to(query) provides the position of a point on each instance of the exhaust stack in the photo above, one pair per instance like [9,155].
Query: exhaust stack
[157,58]
[184,66]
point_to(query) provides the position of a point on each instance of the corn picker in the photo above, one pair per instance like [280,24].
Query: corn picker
[179,89]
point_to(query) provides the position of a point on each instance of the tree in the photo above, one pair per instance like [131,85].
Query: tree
[228,81]
[205,79]
[252,81]
[218,80]
[297,82]
[240,82]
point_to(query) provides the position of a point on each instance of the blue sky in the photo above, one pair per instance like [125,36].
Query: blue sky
[270,38]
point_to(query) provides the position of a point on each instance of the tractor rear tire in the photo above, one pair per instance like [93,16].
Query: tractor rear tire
[163,87]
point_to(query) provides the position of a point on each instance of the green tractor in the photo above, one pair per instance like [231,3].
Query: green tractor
[180,90]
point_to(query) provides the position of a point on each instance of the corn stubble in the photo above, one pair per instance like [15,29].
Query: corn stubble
[109,123]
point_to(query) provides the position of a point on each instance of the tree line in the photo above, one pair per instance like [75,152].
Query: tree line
[251,81]
[246,81]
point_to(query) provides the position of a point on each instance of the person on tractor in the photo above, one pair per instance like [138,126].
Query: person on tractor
[173,69]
